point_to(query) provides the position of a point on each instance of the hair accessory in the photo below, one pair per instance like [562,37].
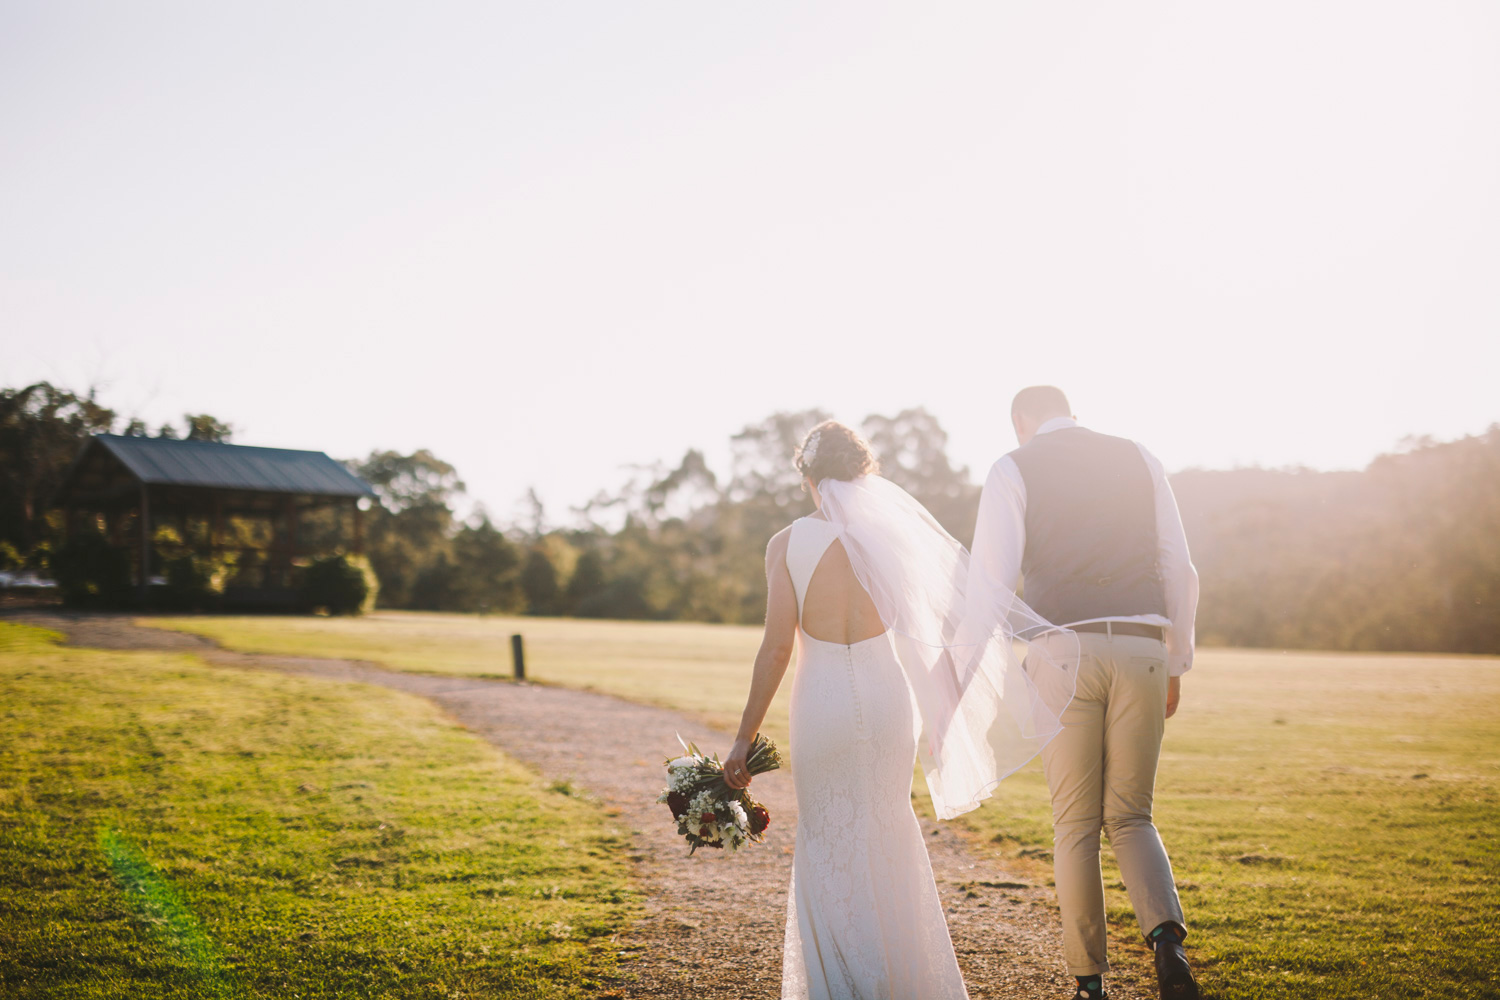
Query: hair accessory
[810,450]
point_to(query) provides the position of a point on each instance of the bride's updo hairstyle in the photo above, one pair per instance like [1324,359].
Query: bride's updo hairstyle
[833,451]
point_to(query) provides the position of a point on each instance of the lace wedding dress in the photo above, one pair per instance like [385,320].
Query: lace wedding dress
[863,917]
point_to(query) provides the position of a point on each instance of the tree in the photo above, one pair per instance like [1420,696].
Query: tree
[588,582]
[488,566]
[912,449]
[762,459]
[539,582]
[689,487]
[404,481]
[42,429]
[433,587]
[410,527]
[545,575]
[1404,555]
[534,514]
[202,427]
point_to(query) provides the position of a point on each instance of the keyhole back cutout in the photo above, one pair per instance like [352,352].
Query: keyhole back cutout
[835,607]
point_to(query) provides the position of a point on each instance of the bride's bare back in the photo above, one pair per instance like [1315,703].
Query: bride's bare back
[836,608]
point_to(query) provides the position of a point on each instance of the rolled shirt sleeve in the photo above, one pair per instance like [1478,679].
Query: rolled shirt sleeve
[1179,577]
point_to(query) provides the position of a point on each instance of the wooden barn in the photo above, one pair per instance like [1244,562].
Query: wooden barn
[261,512]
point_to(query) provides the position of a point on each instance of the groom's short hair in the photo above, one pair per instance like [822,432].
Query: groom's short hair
[1040,403]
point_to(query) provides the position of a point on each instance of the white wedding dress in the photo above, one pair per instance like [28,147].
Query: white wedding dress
[864,921]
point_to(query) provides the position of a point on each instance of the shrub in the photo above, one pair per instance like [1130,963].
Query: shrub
[40,557]
[341,585]
[196,582]
[90,572]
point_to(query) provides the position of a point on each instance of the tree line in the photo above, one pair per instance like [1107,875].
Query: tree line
[1403,555]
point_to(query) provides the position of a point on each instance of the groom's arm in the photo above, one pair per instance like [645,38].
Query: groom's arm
[999,532]
[1179,577]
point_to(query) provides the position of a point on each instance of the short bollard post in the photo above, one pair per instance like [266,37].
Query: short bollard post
[518,657]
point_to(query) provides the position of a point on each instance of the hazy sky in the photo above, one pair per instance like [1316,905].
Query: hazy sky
[549,239]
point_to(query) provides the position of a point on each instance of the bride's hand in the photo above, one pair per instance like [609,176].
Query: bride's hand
[736,770]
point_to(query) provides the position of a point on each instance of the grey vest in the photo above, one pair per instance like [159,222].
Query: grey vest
[1090,527]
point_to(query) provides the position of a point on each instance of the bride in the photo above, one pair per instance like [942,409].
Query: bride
[894,661]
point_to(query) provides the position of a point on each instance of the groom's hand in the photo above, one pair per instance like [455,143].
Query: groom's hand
[1174,695]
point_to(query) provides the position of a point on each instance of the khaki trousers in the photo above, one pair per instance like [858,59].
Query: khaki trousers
[1102,772]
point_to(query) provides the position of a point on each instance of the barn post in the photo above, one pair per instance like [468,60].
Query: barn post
[289,540]
[145,575]
[359,529]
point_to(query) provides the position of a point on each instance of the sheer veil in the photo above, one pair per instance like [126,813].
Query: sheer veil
[991,677]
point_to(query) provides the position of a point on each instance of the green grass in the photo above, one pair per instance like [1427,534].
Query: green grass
[1314,861]
[169,829]
[1332,821]
[703,669]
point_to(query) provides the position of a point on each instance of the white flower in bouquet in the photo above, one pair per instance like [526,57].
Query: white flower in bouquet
[700,814]
[734,837]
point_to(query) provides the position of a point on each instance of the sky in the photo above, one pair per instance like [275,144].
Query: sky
[552,240]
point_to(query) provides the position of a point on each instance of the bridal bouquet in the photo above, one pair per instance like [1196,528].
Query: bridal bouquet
[708,812]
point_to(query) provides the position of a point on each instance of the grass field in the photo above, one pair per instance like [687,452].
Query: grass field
[169,829]
[1334,820]
[695,668]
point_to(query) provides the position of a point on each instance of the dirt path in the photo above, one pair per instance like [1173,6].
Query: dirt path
[713,925]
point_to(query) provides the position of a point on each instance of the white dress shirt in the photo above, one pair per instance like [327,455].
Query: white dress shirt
[1000,544]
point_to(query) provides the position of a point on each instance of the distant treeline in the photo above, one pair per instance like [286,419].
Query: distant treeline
[1404,555]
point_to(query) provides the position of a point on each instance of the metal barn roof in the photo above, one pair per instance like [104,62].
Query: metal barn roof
[232,466]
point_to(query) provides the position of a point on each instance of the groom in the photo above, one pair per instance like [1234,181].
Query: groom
[1091,524]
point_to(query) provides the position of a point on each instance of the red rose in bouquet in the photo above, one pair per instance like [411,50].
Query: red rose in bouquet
[759,819]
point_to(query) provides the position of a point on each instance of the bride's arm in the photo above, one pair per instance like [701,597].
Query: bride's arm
[771,662]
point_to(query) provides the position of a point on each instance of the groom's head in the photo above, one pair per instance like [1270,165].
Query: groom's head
[1034,406]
